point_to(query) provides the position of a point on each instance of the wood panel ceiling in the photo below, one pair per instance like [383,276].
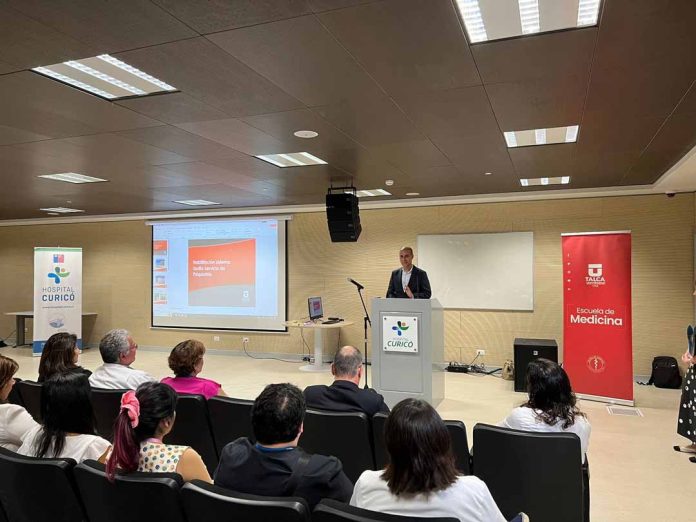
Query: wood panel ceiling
[393,88]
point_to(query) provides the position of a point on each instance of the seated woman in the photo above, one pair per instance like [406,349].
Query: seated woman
[15,421]
[551,406]
[147,415]
[60,355]
[67,429]
[421,479]
[186,361]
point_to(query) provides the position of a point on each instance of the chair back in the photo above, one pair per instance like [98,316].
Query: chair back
[204,502]
[136,497]
[106,405]
[329,510]
[345,435]
[15,398]
[539,474]
[30,392]
[457,431]
[37,489]
[230,419]
[192,428]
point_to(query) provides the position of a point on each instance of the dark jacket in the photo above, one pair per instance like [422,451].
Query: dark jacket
[247,469]
[419,284]
[344,396]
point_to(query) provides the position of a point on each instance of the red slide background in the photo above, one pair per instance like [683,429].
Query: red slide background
[240,271]
[598,357]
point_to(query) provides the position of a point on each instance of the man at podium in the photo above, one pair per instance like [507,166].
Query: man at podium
[409,281]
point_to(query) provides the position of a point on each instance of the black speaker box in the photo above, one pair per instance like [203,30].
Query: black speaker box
[343,217]
[526,350]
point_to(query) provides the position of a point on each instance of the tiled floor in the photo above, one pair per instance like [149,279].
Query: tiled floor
[635,474]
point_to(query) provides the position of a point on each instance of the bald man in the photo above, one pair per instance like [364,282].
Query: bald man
[345,394]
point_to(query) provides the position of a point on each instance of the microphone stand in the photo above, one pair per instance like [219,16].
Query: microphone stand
[366,321]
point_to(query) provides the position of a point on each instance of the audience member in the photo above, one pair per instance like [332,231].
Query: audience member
[421,479]
[68,422]
[15,421]
[186,361]
[275,465]
[551,406]
[345,393]
[118,350]
[59,355]
[147,415]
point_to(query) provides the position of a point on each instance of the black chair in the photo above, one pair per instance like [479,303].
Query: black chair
[231,419]
[586,489]
[30,392]
[38,490]
[457,430]
[333,511]
[537,473]
[135,497]
[106,405]
[14,397]
[192,428]
[204,502]
[346,436]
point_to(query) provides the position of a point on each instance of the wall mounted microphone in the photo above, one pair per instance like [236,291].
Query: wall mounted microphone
[360,287]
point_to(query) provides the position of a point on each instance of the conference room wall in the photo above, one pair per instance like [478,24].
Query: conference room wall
[117,272]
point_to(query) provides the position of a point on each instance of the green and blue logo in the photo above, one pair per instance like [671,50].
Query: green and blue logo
[400,327]
[60,273]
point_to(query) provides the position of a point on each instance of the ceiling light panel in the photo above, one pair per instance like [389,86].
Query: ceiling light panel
[369,193]
[72,177]
[61,210]
[292,159]
[487,20]
[533,182]
[555,135]
[105,76]
[197,202]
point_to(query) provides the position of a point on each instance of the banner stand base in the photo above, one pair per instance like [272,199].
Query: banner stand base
[610,400]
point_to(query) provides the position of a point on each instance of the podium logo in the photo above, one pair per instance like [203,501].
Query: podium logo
[596,364]
[58,274]
[595,275]
[400,327]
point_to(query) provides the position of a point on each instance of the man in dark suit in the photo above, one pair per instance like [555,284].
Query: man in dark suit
[275,466]
[345,393]
[409,281]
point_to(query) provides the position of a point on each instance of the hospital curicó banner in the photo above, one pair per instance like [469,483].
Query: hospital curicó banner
[597,335]
[57,294]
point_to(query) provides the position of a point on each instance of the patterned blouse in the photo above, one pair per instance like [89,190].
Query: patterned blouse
[156,457]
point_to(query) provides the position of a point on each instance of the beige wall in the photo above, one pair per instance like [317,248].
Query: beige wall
[117,272]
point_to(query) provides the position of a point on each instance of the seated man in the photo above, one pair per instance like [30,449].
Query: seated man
[118,351]
[345,393]
[275,466]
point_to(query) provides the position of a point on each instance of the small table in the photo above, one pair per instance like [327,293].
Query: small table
[318,329]
[21,318]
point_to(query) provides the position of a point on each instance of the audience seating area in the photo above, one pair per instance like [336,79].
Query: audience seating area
[538,473]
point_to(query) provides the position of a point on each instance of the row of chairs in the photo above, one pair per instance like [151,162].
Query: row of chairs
[57,490]
[538,473]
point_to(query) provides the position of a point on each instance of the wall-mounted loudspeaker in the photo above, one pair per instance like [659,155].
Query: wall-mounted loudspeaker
[343,217]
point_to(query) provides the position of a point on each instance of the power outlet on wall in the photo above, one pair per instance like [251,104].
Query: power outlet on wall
[480,352]
[216,338]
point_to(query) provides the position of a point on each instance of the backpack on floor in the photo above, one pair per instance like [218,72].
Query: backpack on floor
[665,373]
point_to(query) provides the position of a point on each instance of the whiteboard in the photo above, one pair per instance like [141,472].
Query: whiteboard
[480,271]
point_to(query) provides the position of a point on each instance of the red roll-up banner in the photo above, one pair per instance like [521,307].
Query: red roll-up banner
[597,339]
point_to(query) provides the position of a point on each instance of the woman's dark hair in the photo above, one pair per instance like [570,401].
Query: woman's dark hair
[419,448]
[550,393]
[58,355]
[157,402]
[185,356]
[8,367]
[66,407]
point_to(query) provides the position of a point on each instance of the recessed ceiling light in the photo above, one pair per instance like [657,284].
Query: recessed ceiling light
[487,173]
[561,180]
[413,193]
[525,138]
[292,159]
[72,177]
[197,202]
[61,210]
[369,193]
[487,20]
[389,182]
[306,134]
[105,76]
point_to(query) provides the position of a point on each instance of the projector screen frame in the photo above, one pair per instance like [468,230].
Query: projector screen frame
[280,218]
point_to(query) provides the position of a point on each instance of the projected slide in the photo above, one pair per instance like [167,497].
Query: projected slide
[219,274]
